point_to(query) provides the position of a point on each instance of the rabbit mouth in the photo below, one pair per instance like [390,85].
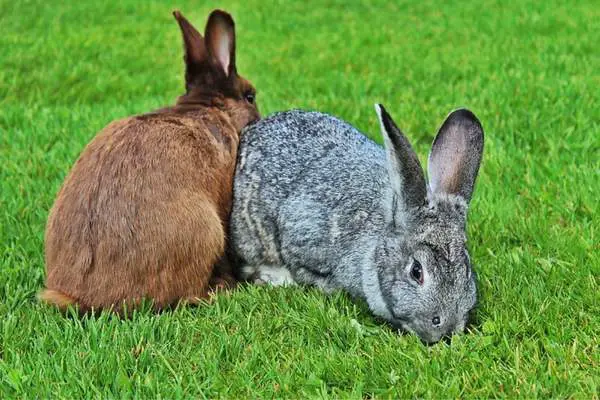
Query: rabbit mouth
[404,325]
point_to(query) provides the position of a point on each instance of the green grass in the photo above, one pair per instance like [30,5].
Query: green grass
[528,69]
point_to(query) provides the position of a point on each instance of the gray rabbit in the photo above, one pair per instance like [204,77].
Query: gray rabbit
[316,202]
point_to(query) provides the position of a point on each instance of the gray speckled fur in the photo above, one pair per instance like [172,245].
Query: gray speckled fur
[317,200]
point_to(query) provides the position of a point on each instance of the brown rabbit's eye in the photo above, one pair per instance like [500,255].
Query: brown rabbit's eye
[416,272]
[250,97]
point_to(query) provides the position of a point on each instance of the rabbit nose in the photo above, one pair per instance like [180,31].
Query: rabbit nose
[436,321]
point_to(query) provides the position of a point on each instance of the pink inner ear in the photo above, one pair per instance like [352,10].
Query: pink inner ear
[445,166]
[451,175]
[222,50]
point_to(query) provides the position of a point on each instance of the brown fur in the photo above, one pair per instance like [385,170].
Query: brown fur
[142,214]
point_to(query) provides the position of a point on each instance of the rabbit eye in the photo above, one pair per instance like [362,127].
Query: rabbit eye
[250,97]
[416,272]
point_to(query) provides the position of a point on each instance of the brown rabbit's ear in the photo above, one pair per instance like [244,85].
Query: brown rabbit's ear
[220,41]
[195,49]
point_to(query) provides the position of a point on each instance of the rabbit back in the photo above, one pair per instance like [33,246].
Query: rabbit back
[306,185]
[140,214]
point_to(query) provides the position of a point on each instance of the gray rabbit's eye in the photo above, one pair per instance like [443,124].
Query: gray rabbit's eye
[416,272]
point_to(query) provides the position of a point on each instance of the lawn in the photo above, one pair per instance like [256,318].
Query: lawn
[528,69]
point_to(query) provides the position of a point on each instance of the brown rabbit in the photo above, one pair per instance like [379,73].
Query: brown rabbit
[142,214]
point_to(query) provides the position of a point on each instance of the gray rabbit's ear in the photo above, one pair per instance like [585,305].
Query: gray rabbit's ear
[406,174]
[456,154]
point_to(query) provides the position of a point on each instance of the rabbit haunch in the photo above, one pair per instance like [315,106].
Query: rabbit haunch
[142,214]
[314,197]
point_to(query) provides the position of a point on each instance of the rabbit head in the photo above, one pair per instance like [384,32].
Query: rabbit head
[425,275]
[211,76]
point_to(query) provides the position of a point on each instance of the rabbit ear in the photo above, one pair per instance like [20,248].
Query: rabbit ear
[406,174]
[456,154]
[220,40]
[193,43]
